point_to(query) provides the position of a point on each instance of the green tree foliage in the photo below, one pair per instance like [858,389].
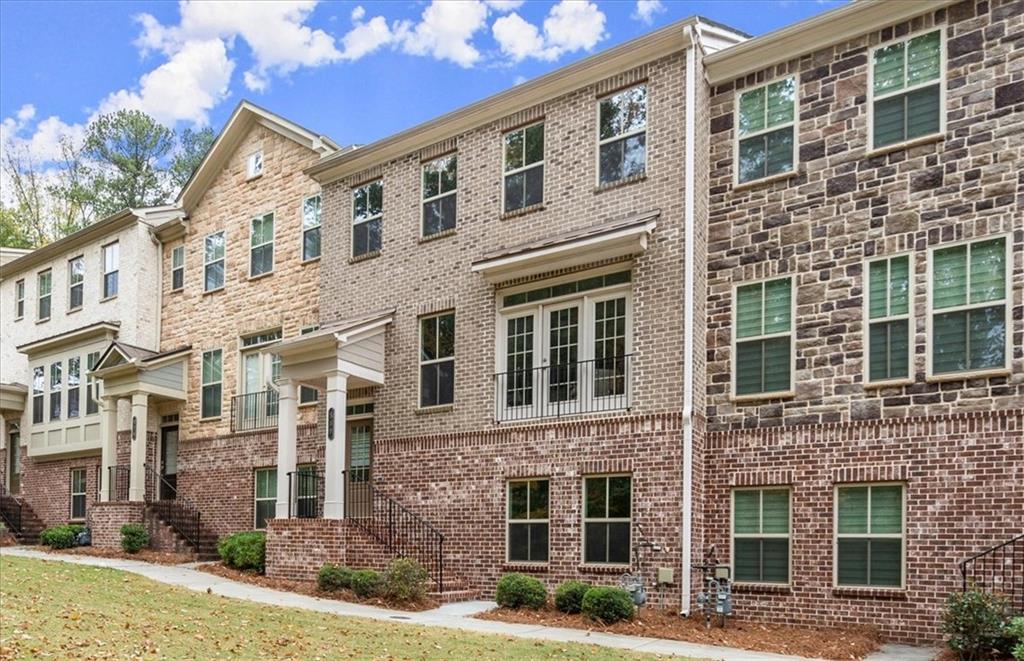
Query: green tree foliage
[192,148]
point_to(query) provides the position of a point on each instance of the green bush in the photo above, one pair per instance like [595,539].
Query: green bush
[244,550]
[60,537]
[1016,633]
[516,591]
[405,580]
[975,623]
[134,537]
[569,596]
[366,582]
[334,577]
[607,605]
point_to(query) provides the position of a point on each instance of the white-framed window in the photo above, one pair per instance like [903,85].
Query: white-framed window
[265,496]
[254,165]
[76,282]
[19,299]
[367,218]
[307,394]
[523,167]
[969,307]
[44,291]
[78,490]
[311,210]
[111,266]
[213,362]
[56,389]
[888,305]
[766,143]
[92,405]
[178,268]
[261,245]
[607,519]
[213,261]
[527,523]
[907,88]
[869,544]
[74,386]
[440,181]
[38,394]
[760,535]
[437,359]
[259,372]
[763,338]
[622,135]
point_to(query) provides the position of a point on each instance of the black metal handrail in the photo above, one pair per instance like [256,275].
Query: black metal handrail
[254,410]
[999,570]
[305,494]
[552,391]
[118,481]
[176,511]
[10,509]
[399,529]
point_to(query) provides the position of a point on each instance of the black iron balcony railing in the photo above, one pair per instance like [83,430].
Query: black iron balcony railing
[254,410]
[119,479]
[176,511]
[10,510]
[998,570]
[552,391]
[306,491]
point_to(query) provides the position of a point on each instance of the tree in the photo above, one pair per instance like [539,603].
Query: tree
[192,148]
[12,233]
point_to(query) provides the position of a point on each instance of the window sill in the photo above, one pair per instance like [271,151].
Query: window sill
[364,257]
[612,185]
[760,397]
[762,588]
[253,177]
[966,376]
[260,276]
[427,410]
[19,318]
[74,310]
[602,569]
[213,419]
[177,291]
[865,591]
[108,298]
[306,405]
[439,235]
[311,260]
[42,321]
[899,146]
[515,213]
[526,567]
[889,383]
[782,176]
[213,291]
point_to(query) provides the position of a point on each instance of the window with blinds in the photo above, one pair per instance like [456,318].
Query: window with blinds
[766,128]
[760,535]
[869,535]
[763,331]
[907,89]
[888,309]
[969,307]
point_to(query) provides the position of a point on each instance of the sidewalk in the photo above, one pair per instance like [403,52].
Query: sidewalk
[453,616]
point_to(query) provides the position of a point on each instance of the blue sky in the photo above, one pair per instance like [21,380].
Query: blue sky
[356,71]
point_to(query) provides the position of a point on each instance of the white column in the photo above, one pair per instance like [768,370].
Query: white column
[137,464]
[287,415]
[108,435]
[334,452]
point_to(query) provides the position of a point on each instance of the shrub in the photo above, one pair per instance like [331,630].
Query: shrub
[405,580]
[517,591]
[366,582]
[134,537]
[1016,633]
[244,550]
[60,537]
[607,604]
[569,596]
[334,577]
[975,622]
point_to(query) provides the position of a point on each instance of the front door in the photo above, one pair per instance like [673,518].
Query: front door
[14,461]
[168,462]
[358,496]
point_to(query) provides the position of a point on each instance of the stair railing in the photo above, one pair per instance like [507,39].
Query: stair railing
[10,510]
[179,513]
[998,570]
[118,477]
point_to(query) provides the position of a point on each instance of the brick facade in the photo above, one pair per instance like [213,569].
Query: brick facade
[106,519]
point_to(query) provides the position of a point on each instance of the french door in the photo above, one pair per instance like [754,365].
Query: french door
[168,462]
[359,457]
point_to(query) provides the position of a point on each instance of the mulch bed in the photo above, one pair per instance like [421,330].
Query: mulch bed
[826,643]
[7,539]
[145,555]
[310,588]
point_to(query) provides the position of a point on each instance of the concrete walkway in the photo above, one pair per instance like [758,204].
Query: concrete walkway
[453,616]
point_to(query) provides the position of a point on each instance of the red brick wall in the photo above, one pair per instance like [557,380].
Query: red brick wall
[297,548]
[106,519]
[46,486]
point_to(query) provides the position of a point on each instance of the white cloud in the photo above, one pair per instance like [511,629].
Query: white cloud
[570,26]
[445,31]
[41,139]
[504,5]
[358,13]
[519,39]
[365,38]
[646,9]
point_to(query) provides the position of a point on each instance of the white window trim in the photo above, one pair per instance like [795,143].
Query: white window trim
[72,284]
[203,384]
[506,173]
[40,296]
[420,362]
[585,519]
[223,259]
[509,521]
[178,250]
[734,373]
[1007,317]
[733,535]
[83,494]
[273,257]
[38,393]
[352,236]
[424,200]
[246,349]
[737,138]
[255,491]
[908,316]
[117,269]
[19,300]
[872,148]
[303,229]
[250,165]
[621,136]
[902,536]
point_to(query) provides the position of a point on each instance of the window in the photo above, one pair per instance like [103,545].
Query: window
[19,299]
[906,88]
[178,268]
[367,215]
[607,519]
[622,135]
[213,262]
[76,282]
[43,291]
[254,165]
[311,208]
[528,521]
[77,493]
[91,405]
[261,245]
[111,263]
[212,376]
[760,535]
[766,130]
[888,333]
[439,182]
[437,360]
[38,394]
[74,382]
[55,390]
[763,337]
[969,307]
[524,167]
[869,535]
[266,496]
[308,395]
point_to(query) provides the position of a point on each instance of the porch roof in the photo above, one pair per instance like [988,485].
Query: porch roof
[354,346]
[126,368]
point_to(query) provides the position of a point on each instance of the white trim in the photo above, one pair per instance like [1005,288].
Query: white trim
[40,296]
[203,384]
[689,304]
[19,299]
[72,284]
[509,522]
[620,136]
[303,229]
[379,216]
[506,173]
[73,493]
[273,229]
[424,200]
[103,267]
[255,491]
[737,138]
[254,165]
[902,536]
[174,268]
[788,536]
[223,260]
[866,319]
[791,333]
[585,519]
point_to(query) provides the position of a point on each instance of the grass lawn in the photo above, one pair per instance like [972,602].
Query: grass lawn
[60,610]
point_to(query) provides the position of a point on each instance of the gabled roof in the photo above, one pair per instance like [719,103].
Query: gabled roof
[122,353]
[245,116]
[81,334]
[92,232]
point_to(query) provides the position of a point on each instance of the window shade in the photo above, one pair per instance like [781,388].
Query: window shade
[949,272]
[853,510]
[988,271]
[886,510]
[752,111]
[923,58]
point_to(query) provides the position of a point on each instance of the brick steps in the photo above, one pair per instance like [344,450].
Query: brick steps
[165,538]
[31,526]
